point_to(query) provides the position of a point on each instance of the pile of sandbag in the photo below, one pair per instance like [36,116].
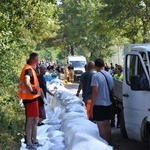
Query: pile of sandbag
[67,126]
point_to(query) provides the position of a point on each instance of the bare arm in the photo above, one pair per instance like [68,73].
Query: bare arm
[27,83]
[79,88]
[94,97]
[49,92]
[94,94]
[42,93]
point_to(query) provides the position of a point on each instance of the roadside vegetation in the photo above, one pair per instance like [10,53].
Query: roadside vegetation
[93,28]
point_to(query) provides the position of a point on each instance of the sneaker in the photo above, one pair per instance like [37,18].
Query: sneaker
[37,144]
[31,147]
[40,124]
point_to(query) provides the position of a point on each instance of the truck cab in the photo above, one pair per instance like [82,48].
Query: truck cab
[136,93]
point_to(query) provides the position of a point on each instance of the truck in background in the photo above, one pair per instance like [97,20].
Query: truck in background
[78,62]
[133,94]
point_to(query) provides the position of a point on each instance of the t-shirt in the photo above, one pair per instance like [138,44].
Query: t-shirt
[98,79]
[86,85]
[42,84]
[116,76]
[29,72]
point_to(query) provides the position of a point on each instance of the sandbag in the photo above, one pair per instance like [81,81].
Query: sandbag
[53,134]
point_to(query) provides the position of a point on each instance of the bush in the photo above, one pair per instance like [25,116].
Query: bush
[12,122]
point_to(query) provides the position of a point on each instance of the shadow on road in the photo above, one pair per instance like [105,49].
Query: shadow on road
[126,144]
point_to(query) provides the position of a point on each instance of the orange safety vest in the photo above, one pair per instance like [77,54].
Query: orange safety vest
[23,92]
[88,107]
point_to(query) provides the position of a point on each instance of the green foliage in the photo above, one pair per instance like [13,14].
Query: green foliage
[10,55]
[23,24]
[79,21]
[129,19]
[50,54]
[12,124]
[94,26]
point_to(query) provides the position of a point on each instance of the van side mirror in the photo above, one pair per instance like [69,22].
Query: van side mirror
[135,82]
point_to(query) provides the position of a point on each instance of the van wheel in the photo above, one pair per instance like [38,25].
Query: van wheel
[122,126]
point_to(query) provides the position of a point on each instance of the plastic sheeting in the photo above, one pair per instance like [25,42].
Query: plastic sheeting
[67,126]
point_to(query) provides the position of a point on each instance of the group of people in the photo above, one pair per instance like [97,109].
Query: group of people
[68,73]
[52,68]
[96,84]
[32,90]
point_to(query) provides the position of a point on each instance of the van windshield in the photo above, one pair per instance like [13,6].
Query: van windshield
[78,64]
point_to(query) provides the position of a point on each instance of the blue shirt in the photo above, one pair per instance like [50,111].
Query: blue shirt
[99,81]
[86,84]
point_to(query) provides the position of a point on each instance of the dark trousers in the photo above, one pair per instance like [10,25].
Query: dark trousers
[115,110]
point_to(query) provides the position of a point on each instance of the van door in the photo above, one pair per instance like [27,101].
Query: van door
[135,100]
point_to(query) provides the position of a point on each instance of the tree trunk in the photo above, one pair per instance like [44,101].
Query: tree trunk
[72,50]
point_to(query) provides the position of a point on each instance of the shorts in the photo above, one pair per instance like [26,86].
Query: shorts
[101,113]
[32,109]
[42,113]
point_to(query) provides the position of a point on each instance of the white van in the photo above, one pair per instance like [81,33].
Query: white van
[78,62]
[134,93]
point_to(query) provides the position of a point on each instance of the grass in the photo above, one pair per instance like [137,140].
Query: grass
[12,121]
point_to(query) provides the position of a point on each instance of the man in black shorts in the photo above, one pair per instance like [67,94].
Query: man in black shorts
[101,104]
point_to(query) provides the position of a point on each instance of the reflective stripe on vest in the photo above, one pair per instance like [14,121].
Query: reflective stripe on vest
[23,92]
[27,91]
[23,84]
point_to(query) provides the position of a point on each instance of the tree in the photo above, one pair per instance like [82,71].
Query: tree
[78,25]
[128,19]
[23,24]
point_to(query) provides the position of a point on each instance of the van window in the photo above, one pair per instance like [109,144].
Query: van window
[78,64]
[130,67]
[134,67]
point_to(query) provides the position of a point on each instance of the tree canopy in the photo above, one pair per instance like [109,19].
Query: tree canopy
[23,25]
[95,26]
[90,28]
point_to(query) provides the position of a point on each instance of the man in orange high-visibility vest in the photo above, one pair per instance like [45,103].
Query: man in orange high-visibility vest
[29,91]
